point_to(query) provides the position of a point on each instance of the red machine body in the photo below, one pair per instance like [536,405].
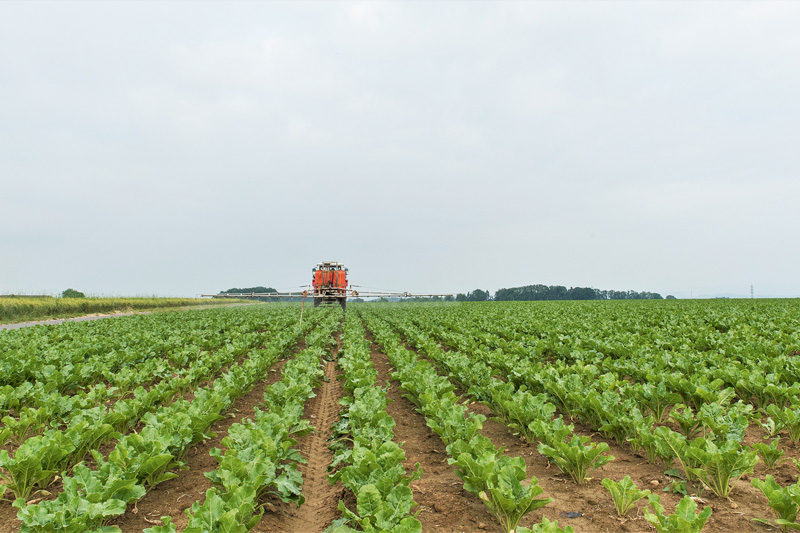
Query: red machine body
[329,283]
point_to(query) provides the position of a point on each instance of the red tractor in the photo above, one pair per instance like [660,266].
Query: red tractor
[329,284]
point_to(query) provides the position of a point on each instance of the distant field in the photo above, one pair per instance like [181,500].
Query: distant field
[25,308]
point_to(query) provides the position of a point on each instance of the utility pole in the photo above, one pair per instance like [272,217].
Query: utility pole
[751,291]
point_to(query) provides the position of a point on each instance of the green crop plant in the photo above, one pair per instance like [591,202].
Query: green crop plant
[719,467]
[771,427]
[577,457]
[656,398]
[653,442]
[546,526]
[788,417]
[624,493]
[784,502]
[685,519]
[770,454]
[497,480]
[684,417]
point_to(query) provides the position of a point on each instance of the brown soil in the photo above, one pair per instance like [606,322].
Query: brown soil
[322,498]
[8,517]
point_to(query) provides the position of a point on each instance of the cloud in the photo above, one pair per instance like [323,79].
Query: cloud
[176,148]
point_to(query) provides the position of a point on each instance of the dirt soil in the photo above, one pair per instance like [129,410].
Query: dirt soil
[322,498]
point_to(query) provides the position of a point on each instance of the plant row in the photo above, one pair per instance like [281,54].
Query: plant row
[716,459]
[529,415]
[494,477]
[260,457]
[139,461]
[366,459]
[37,461]
[41,365]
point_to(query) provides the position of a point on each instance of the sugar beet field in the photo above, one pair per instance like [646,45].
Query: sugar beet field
[405,417]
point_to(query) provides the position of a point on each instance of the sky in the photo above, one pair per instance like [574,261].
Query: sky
[180,148]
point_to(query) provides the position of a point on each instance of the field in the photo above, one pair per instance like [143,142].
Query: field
[406,417]
[20,308]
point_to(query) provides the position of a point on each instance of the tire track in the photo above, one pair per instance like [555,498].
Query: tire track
[322,498]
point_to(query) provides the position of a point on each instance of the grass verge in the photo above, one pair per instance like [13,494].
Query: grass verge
[24,309]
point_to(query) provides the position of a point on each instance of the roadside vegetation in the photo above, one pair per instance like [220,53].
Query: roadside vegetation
[26,308]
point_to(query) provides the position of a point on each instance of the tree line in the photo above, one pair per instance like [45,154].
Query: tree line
[261,289]
[514,294]
[554,292]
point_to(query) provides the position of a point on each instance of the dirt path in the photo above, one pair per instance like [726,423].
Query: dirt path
[322,498]
[98,316]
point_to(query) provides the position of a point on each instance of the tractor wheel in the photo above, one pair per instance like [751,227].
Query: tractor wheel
[317,301]
[343,302]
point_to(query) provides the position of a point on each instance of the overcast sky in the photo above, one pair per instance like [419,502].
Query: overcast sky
[176,148]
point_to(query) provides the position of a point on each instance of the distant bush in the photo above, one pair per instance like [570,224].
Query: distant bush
[72,293]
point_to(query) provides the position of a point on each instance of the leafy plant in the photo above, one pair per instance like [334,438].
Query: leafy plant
[89,499]
[657,398]
[684,417]
[624,493]
[546,526]
[789,417]
[653,442]
[721,466]
[770,454]
[231,512]
[677,486]
[375,512]
[685,519]
[783,501]
[497,480]
[770,426]
[577,457]
[34,463]
[729,423]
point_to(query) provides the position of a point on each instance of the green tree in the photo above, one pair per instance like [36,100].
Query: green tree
[478,296]
[72,293]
